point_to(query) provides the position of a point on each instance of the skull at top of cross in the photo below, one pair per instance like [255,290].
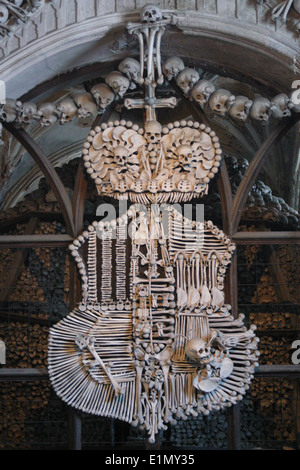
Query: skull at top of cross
[150,14]
[153,132]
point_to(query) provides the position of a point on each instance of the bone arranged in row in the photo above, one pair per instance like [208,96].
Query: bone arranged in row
[199,280]
[222,101]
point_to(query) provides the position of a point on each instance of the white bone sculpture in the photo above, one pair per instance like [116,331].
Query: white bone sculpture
[152,340]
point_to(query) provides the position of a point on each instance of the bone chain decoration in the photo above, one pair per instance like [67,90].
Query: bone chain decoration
[152,340]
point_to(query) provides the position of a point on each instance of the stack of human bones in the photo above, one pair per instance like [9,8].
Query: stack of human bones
[152,340]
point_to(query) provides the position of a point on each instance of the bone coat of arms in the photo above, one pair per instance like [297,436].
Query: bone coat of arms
[152,340]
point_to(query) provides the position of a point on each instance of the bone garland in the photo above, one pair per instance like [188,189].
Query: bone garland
[152,165]
[221,101]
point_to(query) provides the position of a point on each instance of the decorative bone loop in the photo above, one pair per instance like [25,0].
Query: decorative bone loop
[153,340]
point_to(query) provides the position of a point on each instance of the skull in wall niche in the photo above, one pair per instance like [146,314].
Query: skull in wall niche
[131,68]
[202,91]
[220,101]
[281,106]
[28,112]
[47,113]
[66,110]
[260,109]
[103,95]
[117,82]
[240,108]
[186,79]
[150,14]
[153,132]
[172,67]
[121,155]
[185,155]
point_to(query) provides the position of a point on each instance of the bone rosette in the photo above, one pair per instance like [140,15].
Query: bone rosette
[155,164]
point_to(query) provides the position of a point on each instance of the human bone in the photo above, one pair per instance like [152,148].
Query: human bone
[221,100]
[151,330]
[260,109]
[281,106]
[27,112]
[187,78]
[201,91]
[296,5]
[47,113]
[85,104]
[66,110]
[4,14]
[240,108]
[131,68]
[172,67]
[118,82]
[103,95]
[10,109]
[150,14]
[196,349]
[121,155]
[153,131]
[185,154]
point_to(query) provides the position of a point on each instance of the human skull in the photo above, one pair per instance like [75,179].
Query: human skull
[242,164]
[221,100]
[28,111]
[202,91]
[66,110]
[296,5]
[10,109]
[198,350]
[172,67]
[103,95]
[281,106]
[150,14]
[260,109]
[121,155]
[85,104]
[187,78]
[153,132]
[185,154]
[118,82]
[131,68]
[240,108]
[47,113]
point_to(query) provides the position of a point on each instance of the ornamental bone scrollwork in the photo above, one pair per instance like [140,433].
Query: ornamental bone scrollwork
[153,339]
